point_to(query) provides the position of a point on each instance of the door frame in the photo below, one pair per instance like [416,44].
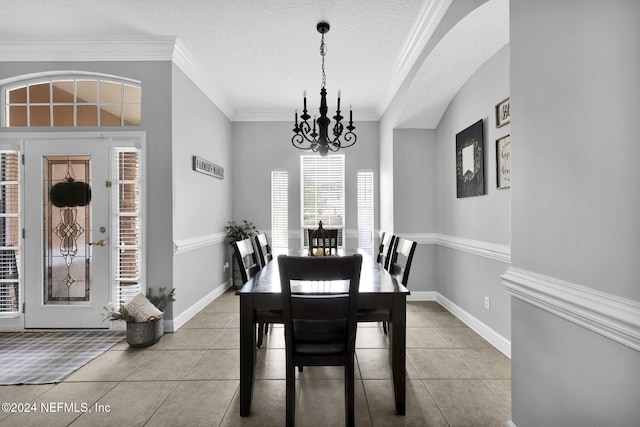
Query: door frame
[16,141]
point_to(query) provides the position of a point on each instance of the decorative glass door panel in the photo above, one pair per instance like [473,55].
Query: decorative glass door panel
[67,223]
[67,236]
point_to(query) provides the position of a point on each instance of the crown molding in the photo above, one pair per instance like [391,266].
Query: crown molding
[111,48]
[114,48]
[426,23]
[608,315]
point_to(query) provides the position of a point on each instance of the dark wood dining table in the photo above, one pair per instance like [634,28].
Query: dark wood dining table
[378,290]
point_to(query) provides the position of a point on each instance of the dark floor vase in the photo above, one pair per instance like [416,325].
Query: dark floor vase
[144,334]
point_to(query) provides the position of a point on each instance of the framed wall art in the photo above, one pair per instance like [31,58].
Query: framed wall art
[503,116]
[470,161]
[503,162]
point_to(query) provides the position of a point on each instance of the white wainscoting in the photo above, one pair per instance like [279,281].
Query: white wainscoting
[609,315]
[489,250]
[192,243]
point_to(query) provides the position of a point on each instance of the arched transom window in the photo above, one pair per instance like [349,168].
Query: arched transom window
[72,101]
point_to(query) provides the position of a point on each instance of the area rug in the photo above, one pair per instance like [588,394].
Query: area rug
[49,357]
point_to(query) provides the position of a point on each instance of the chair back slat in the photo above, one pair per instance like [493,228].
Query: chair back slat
[402,257]
[246,258]
[264,248]
[385,249]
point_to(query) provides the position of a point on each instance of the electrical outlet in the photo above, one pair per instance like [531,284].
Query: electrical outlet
[487,303]
[225,267]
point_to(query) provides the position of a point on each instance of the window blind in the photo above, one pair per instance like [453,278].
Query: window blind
[322,193]
[279,209]
[9,231]
[127,224]
[365,211]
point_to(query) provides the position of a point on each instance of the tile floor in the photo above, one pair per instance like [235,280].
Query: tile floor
[190,378]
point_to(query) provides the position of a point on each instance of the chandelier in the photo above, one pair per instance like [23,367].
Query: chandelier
[305,135]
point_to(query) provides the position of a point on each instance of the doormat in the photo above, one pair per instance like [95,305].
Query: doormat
[49,357]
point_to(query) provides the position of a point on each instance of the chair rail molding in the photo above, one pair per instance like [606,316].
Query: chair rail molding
[181,246]
[495,251]
[608,315]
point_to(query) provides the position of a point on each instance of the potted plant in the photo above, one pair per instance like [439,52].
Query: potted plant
[143,315]
[236,232]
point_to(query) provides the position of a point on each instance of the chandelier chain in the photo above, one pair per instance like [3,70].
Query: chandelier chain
[323,51]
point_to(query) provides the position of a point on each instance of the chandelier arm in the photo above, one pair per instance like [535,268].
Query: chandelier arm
[350,138]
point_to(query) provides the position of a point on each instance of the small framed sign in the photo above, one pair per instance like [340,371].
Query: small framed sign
[502,113]
[208,168]
[503,161]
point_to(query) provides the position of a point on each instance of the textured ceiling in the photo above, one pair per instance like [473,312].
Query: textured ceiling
[261,55]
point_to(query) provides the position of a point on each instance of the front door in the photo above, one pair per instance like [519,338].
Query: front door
[67,236]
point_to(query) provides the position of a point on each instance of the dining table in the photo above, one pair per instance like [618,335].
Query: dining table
[379,292]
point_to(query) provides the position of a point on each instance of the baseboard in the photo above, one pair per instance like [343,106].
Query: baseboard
[495,339]
[184,317]
[510,424]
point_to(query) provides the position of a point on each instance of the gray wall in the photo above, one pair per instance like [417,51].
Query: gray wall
[575,103]
[202,204]
[465,278]
[260,147]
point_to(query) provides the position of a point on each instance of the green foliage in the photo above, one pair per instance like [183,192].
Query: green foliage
[236,232]
[161,300]
[114,312]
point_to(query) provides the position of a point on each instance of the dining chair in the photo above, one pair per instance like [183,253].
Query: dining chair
[320,327]
[264,256]
[384,250]
[399,267]
[323,241]
[247,259]
[401,259]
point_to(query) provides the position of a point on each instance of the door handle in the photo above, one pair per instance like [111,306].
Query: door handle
[100,243]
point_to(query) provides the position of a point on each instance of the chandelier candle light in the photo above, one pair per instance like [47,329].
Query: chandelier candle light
[306,137]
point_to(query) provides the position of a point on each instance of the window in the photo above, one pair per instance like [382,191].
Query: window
[279,209]
[126,202]
[322,193]
[9,231]
[72,101]
[365,211]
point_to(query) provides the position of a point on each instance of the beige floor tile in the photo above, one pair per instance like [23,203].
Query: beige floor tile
[130,404]
[229,304]
[325,373]
[168,365]
[371,338]
[212,320]
[439,364]
[270,364]
[189,339]
[469,403]
[425,338]
[111,366]
[216,365]
[195,403]
[415,318]
[78,397]
[321,404]
[486,362]
[440,319]
[502,388]
[374,365]
[267,409]
[227,339]
[461,337]
[421,410]
[424,306]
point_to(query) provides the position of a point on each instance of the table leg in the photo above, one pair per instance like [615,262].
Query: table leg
[397,349]
[247,354]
